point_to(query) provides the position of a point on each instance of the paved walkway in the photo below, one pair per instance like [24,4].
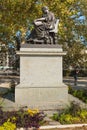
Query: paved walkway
[81,83]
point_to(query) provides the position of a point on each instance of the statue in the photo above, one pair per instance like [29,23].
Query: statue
[45,28]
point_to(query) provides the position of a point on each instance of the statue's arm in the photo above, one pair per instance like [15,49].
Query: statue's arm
[40,19]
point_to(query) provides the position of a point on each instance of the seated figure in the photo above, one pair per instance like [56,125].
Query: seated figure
[45,23]
[45,28]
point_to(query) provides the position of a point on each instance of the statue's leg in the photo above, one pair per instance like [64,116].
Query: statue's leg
[40,31]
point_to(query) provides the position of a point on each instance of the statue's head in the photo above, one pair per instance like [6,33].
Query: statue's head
[45,9]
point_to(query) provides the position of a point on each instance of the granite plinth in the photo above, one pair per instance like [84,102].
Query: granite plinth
[43,98]
[41,84]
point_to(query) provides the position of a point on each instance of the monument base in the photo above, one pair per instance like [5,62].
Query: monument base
[44,98]
[41,83]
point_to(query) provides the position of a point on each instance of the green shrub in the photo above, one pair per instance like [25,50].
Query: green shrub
[8,126]
[83,115]
[72,109]
[76,120]
[81,94]
[65,118]
[70,89]
[55,116]
[72,114]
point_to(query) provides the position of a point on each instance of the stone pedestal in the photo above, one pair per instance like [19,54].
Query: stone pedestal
[41,84]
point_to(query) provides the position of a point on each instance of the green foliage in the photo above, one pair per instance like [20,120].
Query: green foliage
[65,118]
[55,116]
[73,109]
[22,118]
[72,114]
[82,114]
[17,14]
[81,94]
[76,56]
[8,126]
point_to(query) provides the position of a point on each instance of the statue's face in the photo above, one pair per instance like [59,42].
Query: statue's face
[45,11]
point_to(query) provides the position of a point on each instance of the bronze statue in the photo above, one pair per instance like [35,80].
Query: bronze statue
[45,28]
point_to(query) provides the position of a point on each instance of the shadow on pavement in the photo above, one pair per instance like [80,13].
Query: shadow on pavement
[9,96]
[6,93]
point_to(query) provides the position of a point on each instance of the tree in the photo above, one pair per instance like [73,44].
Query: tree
[75,55]
[17,14]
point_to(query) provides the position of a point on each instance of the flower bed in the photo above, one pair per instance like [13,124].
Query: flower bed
[33,119]
[20,119]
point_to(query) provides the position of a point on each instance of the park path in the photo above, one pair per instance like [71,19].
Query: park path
[81,83]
